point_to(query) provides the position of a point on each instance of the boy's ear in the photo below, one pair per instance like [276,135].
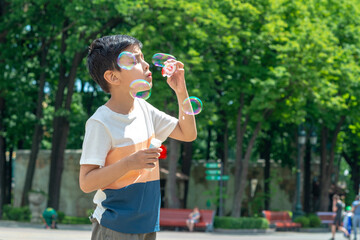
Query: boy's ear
[111,77]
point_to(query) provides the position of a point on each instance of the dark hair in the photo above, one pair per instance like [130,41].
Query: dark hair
[103,53]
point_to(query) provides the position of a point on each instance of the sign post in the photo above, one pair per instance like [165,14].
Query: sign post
[215,172]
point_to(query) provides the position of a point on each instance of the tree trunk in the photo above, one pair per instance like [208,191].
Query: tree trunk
[355,175]
[208,148]
[353,159]
[241,163]
[38,132]
[3,34]
[307,178]
[171,199]
[2,157]
[226,148]
[265,154]
[325,180]
[61,123]
[327,163]
[186,167]
[240,128]
[244,166]
[57,151]
[61,130]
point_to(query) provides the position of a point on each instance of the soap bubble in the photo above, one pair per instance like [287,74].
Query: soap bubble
[192,106]
[140,89]
[126,60]
[159,59]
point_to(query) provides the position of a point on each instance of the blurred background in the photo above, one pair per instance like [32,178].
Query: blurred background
[279,81]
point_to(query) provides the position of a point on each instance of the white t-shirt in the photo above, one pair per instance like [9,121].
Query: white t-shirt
[132,203]
[106,130]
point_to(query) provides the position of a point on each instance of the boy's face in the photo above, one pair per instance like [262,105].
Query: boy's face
[140,69]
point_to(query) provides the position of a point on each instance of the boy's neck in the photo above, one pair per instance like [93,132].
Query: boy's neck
[121,104]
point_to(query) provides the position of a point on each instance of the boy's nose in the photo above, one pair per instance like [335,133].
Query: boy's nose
[146,65]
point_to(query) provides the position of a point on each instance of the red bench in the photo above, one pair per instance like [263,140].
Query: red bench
[326,217]
[281,220]
[175,217]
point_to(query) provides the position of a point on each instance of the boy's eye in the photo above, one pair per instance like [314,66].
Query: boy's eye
[137,59]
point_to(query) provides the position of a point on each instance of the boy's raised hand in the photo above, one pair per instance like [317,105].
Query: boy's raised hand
[145,158]
[177,79]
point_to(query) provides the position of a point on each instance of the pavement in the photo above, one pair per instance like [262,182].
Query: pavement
[10,230]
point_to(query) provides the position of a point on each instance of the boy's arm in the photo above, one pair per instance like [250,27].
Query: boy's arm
[186,127]
[92,177]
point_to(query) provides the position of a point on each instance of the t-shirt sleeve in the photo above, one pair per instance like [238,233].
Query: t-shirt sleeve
[164,124]
[96,144]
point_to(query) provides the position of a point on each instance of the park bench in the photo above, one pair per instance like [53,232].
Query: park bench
[175,217]
[281,220]
[326,217]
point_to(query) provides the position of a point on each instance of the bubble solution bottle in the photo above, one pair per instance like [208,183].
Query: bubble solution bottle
[155,143]
[168,69]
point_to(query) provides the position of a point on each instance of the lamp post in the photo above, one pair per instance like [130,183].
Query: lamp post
[298,207]
[313,138]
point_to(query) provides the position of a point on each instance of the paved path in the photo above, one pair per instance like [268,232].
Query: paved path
[21,231]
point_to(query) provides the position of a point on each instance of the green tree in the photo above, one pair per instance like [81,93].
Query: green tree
[76,35]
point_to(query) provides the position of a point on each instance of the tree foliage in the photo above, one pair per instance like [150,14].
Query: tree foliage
[256,65]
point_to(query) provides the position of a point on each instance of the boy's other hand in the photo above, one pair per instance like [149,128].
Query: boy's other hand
[145,158]
[177,80]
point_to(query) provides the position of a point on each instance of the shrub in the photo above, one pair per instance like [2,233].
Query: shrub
[314,221]
[304,221]
[75,220]
[22,214]
[240,223]
[60,217]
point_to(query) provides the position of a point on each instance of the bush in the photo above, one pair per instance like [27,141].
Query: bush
[314,221]
[60,217]
[75,220]
[240,223]
[311,221]
[304,221]
[22,214]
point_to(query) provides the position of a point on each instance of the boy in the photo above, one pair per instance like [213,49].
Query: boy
[347,221]
[49,218]
[116,153]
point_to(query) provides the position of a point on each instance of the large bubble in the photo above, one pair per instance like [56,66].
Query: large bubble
[140,89]
[192,106]
[159,59]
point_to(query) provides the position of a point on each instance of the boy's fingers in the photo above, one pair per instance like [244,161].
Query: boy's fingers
[153,154]
[150,165]
[153,150]
[180,65]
